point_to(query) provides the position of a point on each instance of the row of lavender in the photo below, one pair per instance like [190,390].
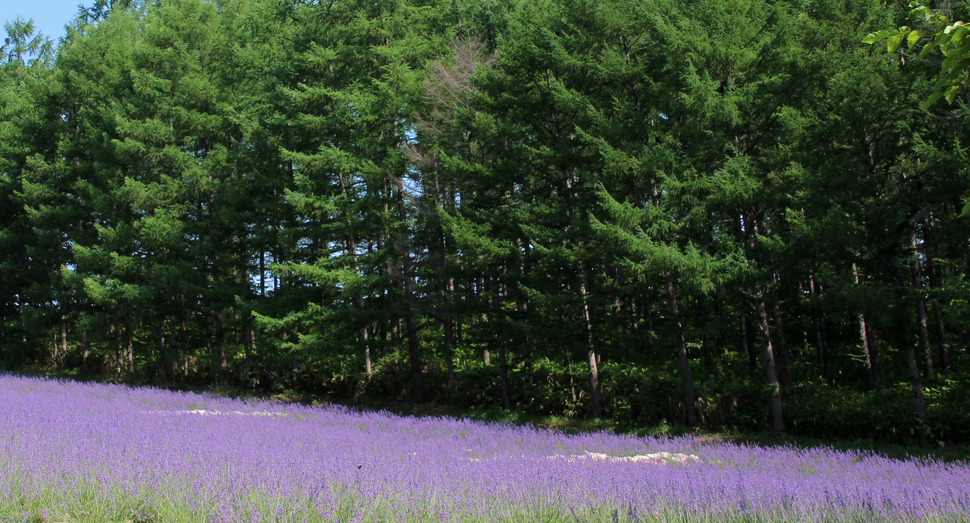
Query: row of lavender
[83,452]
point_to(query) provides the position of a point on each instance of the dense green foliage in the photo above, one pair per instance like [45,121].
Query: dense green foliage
[949,38]
[710,213]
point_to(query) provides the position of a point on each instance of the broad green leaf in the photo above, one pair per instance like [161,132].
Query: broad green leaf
[913,37]
[921,12]
[950,62]
[893,43]
[942,40]
[966,209]
[952,93]
[877,36]
[957,36]
[948,79]
[962,65]
[933,98]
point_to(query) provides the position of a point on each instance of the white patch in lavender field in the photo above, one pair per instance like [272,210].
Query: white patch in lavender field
[663,458]
[658,458]
[203,412]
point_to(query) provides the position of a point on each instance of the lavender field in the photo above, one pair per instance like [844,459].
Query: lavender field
[72,452]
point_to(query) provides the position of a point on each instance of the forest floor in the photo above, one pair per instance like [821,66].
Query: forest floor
[495,414]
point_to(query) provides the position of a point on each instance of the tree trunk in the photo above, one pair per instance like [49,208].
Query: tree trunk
[933,271]
[572,382]
[364,337]
[864,336]
[823,361]
[85,349]
[262,272]
[447,294]
[162,352]
[866,352]
[247,344]
[131,354]
[396,335]
[621,327]
[503,368]
[251,339]
[916,381]
[681,352]
[184,345]
[403,248]
[781,348]
[941,334]
[873,350]
[497,337]
[449,353]
[748,351]
[524,343]
[3,328]
[647,314]
[173,349]
[221,347]
[63,341]
[23,325]
[220,335]
[351,240]
[414,356]
[924,330]
[382,332]
[592,360]
[480,321]
[769,355]
[119,345]
[706,345]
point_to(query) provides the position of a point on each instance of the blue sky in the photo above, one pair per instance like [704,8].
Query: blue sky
[50,16]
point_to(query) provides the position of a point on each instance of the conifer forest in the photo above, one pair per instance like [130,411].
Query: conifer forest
[713,214]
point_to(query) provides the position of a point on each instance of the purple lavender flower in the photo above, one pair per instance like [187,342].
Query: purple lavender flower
[86,452]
